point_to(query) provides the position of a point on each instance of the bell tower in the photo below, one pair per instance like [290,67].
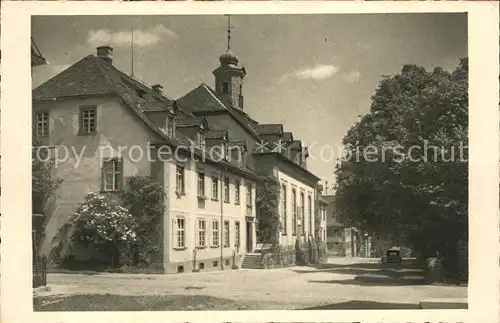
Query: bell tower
[229,76]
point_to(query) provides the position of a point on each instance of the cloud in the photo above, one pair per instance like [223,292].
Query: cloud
[142,38]
[318,72]
[352,77]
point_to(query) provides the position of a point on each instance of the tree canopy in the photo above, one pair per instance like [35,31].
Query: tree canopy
[406,164]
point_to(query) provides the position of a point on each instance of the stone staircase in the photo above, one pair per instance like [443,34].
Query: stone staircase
[252,261]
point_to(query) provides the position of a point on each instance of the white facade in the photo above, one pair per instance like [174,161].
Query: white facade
[297,203]
[201,221]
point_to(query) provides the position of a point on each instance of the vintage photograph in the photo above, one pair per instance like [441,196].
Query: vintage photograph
[247,162]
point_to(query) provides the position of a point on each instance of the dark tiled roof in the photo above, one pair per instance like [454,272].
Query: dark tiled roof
[215,134]
[190,121]
[83,78]
[287,136]
[242,144]
[245,115]
[198,101]
[94,76]
[203,99]
[269,129]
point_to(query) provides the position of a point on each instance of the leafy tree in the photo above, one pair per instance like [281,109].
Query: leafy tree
[104,223]
[405,171]
[44,184]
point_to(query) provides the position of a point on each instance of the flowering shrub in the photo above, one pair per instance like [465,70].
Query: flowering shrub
[104,223]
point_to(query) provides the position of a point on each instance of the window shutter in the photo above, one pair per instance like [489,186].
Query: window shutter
[103,174]
[122,175]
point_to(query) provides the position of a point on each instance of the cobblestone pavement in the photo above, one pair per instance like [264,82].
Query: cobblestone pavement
[340,281]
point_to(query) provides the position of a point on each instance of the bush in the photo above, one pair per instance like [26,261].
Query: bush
[434,270]
[104,223]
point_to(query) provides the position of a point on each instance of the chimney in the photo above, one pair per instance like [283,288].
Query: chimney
[105,53]
[157,88]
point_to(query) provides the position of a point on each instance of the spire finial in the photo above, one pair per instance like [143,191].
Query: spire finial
[229,27]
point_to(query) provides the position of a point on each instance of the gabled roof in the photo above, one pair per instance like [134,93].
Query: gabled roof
[200,99]
[269,129]
[203,100]
[94,76]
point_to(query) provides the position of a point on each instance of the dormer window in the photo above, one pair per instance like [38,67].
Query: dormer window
[170,126]
[224,149]
[225,87]
[200,140]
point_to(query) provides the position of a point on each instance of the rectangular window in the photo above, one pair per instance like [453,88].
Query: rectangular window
[179,180]
[88,120]
[283,210]
[237,192]
[237,233]
[42,124]
[200,139]
[225,87]
[112,174]
[309,214]
[224,150]
[226,189]
[180,234]
[294,210]
[227,236]
[170,126]
[201,184]
[215,233]
[249,194]
[201,233]
[302,214]
[215,187]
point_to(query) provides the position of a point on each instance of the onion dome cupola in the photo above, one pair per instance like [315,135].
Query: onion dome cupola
[229,76]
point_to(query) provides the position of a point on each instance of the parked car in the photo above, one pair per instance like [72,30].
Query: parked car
[393,257]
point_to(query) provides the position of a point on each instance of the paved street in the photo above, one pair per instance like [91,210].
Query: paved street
[341,281]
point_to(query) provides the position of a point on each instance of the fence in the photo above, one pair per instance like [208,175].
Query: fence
[40,271]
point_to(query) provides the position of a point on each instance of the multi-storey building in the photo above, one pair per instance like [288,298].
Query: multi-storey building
[272,151]
[107,120]
[210,215]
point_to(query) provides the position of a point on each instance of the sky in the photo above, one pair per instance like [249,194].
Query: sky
[313,73]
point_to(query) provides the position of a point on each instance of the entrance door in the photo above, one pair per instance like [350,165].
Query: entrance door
[249,237]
